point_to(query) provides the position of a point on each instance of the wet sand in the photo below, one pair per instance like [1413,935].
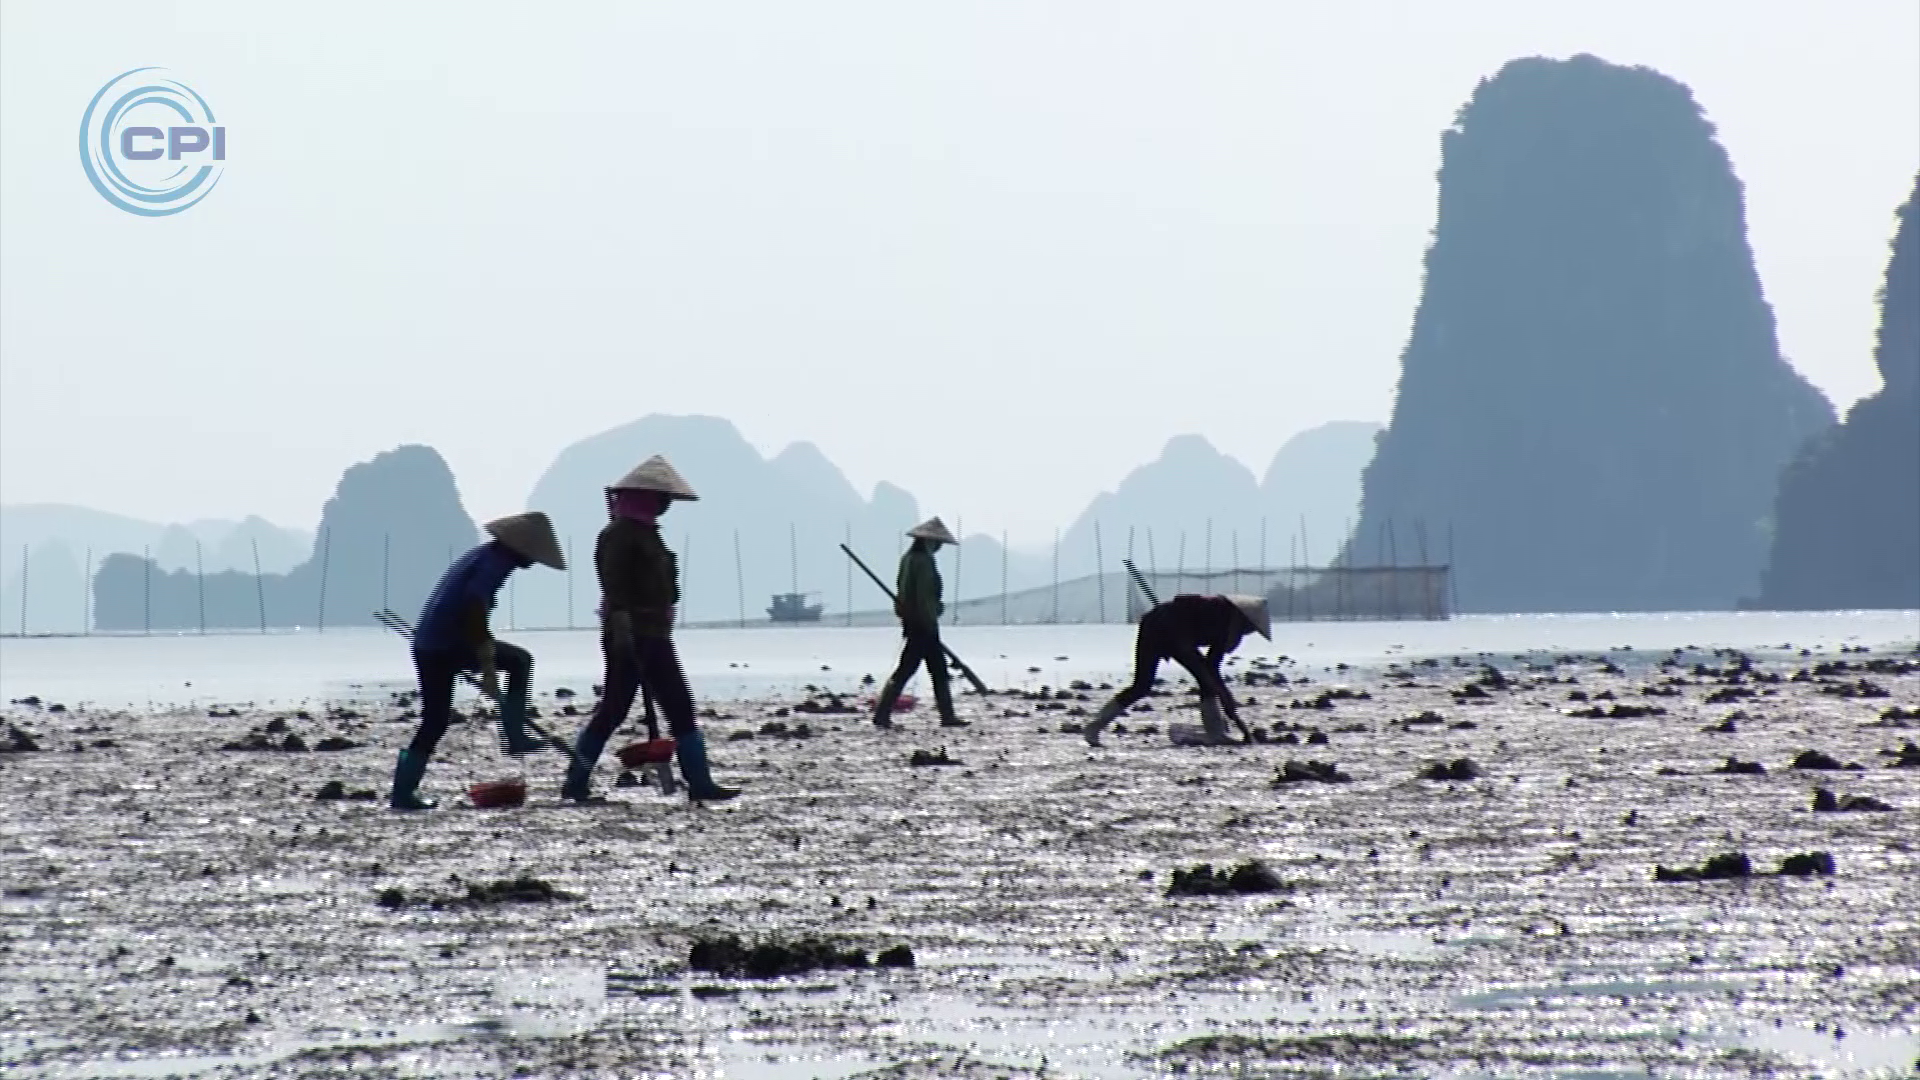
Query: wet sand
[171,908]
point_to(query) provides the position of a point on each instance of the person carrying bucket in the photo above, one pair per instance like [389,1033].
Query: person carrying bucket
[452,637]
[639,591]
[917,603]
[1177,630]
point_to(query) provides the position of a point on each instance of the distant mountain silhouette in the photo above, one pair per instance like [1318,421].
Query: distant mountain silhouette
[391,528]
[58,539]
[1847,524]
[797,502]
[1592,397]
[1196,509]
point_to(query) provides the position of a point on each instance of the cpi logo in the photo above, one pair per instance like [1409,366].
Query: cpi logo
[149,144]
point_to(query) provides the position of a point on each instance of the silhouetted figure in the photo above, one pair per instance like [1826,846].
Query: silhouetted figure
[452,636]
[916,600]
[1177,630]
[639,593]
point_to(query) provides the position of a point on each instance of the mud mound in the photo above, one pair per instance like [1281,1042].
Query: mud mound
[1457,769]
[1323,772]
[1825,801]
[334,789]
[728,957]
[1734,864]
[525,889]
[18,741]
[1251,876]
[923,758]
[1807,864]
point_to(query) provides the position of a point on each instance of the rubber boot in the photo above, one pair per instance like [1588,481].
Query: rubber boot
[943,700]
[1214,719]
[883,705]
[406,778]
[586,751]
[515,739]
[692,752]
[1108,712]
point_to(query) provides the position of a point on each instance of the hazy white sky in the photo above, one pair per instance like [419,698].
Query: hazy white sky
[995,252]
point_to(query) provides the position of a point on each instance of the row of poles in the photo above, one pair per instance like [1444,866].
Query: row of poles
[1299,561]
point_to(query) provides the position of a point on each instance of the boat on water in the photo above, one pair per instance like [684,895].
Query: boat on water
[792,607]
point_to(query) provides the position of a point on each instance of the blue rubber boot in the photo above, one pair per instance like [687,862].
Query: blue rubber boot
[406,778]
[586,751]
[514,736]
[692,752]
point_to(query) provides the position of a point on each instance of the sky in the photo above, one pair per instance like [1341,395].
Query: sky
[996,252]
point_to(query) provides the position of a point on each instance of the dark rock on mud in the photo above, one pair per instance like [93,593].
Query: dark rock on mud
[1252,876]
[1814,759]
[1734,864]
[1907,757]
[336,742]
[924,758]
[728,957]
[1807,864]
[18,741]
[1825,801]
[1457,769]
[1734,766]
[334,789]
[899,956]
[525,889]
[1323,772]
[626,779]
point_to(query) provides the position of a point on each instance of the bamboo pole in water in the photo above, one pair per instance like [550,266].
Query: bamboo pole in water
[259,584]
[847,527]
[1100,570]
[739,580]
[1003,577]
[326,549]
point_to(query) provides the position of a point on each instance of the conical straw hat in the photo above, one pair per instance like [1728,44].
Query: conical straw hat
[932,529]
[531,535]
[655,474]
[1255,610]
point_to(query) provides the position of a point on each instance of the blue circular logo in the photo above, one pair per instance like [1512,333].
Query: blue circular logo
[150,144]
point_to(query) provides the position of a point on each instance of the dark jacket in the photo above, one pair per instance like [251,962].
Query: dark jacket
[918,589]
[638,576]
[1212,623]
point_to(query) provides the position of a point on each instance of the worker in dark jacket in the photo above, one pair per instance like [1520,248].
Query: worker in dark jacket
[639,593]
[453,637]
[917,603]
[1177,630]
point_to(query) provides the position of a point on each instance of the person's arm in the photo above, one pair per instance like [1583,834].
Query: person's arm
[481,639]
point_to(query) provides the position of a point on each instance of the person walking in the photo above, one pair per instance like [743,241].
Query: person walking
[917,603]
[639,593]
[1177,630]
[452,636]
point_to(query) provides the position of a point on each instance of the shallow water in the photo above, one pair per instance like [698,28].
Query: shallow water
[294,667]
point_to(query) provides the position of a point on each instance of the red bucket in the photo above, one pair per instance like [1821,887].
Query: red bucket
[905,703]
[495,794]
[650,752]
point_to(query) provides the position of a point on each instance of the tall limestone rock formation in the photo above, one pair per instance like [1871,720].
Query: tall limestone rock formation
[1847,524]
[1592,399]
[391,528]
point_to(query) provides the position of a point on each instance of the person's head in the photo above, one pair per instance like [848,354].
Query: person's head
[643,506]
[529,538]
[930,534]
[647,491]
[1254,618]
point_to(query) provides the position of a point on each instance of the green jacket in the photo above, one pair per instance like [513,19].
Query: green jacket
[638,576]
[918,589]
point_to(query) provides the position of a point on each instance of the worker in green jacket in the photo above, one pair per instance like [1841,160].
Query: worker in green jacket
[917,603]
